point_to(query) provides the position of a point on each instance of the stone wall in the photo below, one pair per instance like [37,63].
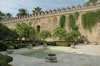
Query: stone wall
[49,20]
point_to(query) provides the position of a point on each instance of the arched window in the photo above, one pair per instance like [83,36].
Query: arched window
[38,28]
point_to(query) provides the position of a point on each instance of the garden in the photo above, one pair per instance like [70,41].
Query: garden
[24,35]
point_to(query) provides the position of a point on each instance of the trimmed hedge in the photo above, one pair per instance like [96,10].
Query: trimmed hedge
[63,44]
[51,43]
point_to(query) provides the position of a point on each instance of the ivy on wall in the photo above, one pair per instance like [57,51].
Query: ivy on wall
[62,21]
[72,21]
[76,15]
[90,19]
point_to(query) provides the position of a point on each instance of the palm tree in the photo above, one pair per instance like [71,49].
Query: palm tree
[22,12]
[37,10]
[2,15]
[8,15]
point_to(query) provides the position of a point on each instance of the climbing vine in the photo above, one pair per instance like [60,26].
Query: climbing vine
[62,21]
[76,15]
[90,19]
[72,21]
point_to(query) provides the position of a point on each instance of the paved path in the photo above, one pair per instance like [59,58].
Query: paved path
[88,55]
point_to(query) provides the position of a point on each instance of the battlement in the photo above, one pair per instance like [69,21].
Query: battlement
[59,11]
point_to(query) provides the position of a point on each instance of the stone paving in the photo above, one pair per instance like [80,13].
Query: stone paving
[82,55]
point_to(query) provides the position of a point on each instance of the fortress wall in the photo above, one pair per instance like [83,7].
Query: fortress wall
[50,20]
[94,36]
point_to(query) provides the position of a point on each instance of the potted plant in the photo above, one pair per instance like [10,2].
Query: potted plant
[72,45]
[51,58]
[30,46]
[10,49]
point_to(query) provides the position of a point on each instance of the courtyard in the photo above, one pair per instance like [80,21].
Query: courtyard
[82,55]
[50,33]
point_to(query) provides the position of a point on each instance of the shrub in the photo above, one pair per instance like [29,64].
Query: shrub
[3,46]
[39,42]
[29,44]
[11,47]
[51,43]
[59,32]
[62,44]
[5,60]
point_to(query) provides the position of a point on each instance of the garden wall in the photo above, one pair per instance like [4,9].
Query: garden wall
[49,20]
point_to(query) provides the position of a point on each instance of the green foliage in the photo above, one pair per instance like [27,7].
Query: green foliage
[5,15]
[11,47]
[31,33]
[51,43]
[4,60]
[71,21]
[90,19]
[37,10]
[3,31]
[22,12]
[24,30]
[13,34]
[2,15]
[8,15]
[29,44]
[59,32]
[62,44]
[92,1]
[6,33]
[62,21]
[44,34]
[72,35]
[76,15]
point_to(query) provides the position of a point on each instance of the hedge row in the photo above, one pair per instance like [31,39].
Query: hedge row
[23,44]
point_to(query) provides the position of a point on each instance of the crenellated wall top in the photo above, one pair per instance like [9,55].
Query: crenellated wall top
[51,12]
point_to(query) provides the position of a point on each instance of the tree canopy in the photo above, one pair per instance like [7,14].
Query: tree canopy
[37,10]
[22,12]
[44,34]
[59,32]
[5,15]
[25,31]
[72,35]
[6,33]
[8,15]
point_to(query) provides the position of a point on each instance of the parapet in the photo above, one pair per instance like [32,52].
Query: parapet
[50,11]
[85,5]
[73,7]
[58,10]
[79,7]
[68,8]
[63,10]
[54,11]
[46,12]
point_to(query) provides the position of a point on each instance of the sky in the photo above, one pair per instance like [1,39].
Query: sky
[12,6]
